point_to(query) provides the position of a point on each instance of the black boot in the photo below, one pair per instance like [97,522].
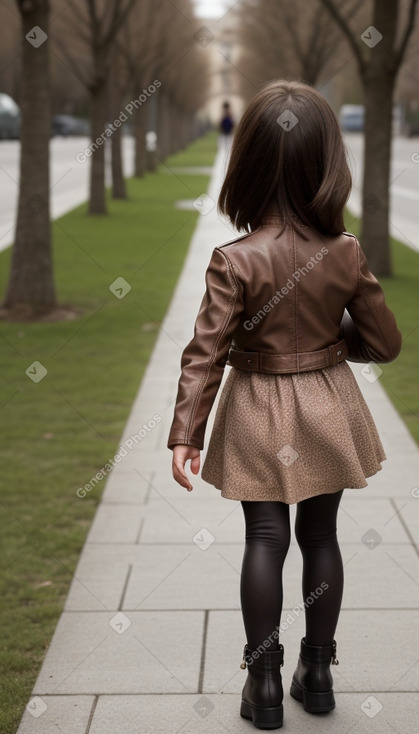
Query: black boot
[263,693]
[312,681]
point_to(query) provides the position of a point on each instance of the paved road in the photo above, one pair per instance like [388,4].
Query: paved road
[404,187]
[69,179]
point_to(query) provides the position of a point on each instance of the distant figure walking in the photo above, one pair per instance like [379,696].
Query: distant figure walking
[225,128]
[226,122]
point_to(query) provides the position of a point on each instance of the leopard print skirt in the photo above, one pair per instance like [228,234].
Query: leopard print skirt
[293,436]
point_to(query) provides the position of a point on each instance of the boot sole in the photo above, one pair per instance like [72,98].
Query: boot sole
[313,703]
[263,718]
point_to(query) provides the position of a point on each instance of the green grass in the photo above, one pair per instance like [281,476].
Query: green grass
[58,433]
[187,157]
[400,378]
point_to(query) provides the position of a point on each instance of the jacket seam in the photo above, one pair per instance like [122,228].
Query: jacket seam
[204,378]
[238,239]
[370,305]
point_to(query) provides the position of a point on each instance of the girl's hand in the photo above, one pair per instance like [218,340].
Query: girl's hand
[181,454]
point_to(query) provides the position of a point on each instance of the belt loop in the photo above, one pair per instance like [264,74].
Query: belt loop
[336,351]
[344,348]
[333,355]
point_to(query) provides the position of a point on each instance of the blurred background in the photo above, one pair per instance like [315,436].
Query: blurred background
[136,81]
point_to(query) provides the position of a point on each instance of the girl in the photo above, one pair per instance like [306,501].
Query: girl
[291,425]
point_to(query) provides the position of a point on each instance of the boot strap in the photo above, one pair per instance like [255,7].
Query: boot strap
[247,657]
[334,660]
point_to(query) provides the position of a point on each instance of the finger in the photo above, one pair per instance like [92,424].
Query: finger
[195,463]
[182,480]
[180,476]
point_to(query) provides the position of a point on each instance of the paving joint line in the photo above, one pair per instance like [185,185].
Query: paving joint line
[203,650]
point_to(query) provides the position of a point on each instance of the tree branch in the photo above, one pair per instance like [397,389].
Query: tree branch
[69,61]
[292,27]
[400,52]
[120,15]
[73,23]
[91,4]
[341,21]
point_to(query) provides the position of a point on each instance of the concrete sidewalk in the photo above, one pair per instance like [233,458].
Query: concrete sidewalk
[151,637]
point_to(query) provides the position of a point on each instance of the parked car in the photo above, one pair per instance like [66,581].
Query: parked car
[66,125]
[9,118]
[351,117]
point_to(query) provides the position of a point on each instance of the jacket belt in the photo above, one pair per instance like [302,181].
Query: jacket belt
[283,363]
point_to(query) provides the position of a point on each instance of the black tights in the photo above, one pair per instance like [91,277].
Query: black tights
[267,541]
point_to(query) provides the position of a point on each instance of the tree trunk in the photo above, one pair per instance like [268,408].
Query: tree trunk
[140,129]
[375,236]
[98,98]
[153,113]
[164,127]
[186,136]
[151,160]
[118,181]
[378,78]
[176,125]
[119,190]
[309,71]
[171,118]
[31,280]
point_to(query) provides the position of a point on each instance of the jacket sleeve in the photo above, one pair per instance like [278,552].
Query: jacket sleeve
[204,358]
[368,325]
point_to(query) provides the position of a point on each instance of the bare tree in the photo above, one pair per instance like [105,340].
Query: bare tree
[30,289]
[95,24]
[284,39]
[184,72]
[150,23]
[169,53]
[379,50]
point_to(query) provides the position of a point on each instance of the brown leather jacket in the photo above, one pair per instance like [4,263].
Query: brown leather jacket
[277,306]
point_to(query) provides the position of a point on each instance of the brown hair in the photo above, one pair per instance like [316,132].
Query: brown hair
[287,157]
